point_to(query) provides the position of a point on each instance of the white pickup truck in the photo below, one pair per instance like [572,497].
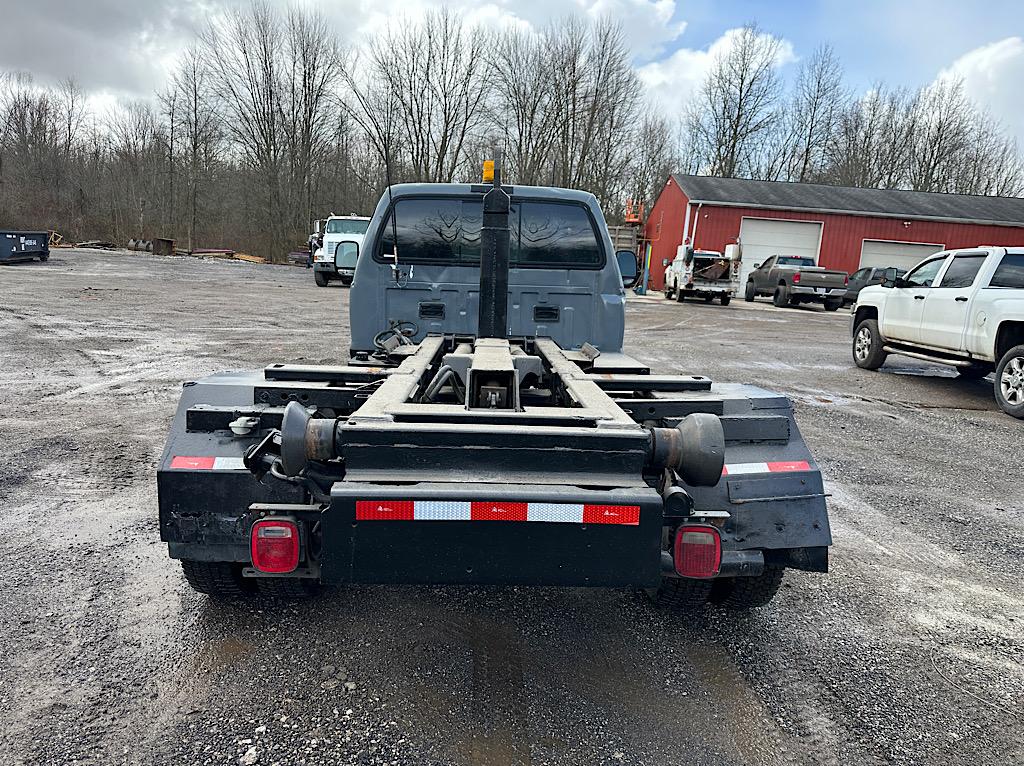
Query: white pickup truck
[963,308]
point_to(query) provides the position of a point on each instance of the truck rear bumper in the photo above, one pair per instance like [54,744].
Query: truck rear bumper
[491,534]
[820,293]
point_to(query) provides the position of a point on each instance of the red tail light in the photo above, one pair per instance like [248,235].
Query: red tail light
[796,278]
[275,546]
[846,279]
[698,551]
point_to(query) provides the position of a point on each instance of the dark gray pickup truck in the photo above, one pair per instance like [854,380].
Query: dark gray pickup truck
[792,280]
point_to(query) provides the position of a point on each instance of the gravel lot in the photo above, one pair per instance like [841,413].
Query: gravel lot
[911,651]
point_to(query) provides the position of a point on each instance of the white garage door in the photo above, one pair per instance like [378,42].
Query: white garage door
[762,238]
[902,255]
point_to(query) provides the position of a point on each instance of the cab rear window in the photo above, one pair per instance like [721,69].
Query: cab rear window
[446,230]
[1009,272]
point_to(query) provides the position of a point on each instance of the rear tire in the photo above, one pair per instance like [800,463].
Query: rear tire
[320,278]
[290,588]
[726,299]
[781,297]
[1009,386]
[220,579]
[748,592]
[679,296]
[681,593]
[749,293]
[347,281]
[668,293]
[833,304]
[867,346]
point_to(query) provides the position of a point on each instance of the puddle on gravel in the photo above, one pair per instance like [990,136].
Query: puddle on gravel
[750,725]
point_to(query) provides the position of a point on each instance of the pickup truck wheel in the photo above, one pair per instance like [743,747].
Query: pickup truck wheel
[287,587]
[748,592]
[1010,382]
[220,579]
[726,299]
[682,593]
[867,346]
[781,297]
[680,297]
[668,293]
[833,304]
[749,292]
[320,278]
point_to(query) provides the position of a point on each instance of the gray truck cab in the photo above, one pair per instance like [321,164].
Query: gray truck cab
[564,279]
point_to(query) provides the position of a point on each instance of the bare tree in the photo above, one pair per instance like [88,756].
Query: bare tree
[819,97]
[202,137]
[428,78]
[653,158]
[520,78]
[871,146]
[737,107]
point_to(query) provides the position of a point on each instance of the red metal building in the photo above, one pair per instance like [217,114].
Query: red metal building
[842,227]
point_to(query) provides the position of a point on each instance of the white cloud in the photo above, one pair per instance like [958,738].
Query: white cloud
[673,80]
[992,76]
[648,24]
[128,49]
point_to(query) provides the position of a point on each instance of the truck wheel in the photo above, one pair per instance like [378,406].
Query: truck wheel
[781,297]
[749,293]
[287,587]
[668,293]
[833,304]
[347,281]
[726,299]
[867,346]
[748,592]
[320,278]
[1010,382]
[708,298]
[680,297]
[220,579]
[682,593]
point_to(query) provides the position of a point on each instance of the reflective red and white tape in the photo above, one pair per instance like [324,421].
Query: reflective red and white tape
[207,463]
[464,510]
[734,469]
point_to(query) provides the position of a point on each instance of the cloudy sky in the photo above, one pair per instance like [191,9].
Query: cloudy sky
[123,48]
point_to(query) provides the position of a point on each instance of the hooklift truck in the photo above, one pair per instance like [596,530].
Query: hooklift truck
[488,429]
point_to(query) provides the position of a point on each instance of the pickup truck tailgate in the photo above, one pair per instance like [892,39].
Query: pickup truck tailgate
[820,278]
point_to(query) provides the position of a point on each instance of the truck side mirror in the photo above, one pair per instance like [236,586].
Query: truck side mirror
[757,265]
[889,278]
[627,267]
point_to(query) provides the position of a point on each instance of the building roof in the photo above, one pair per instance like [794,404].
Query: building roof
[886,203]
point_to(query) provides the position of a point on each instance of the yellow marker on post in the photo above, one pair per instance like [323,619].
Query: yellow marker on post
[488,171]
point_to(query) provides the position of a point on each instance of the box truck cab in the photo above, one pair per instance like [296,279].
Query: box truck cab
[336,258]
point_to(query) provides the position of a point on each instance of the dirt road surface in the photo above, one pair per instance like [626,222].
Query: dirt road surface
[911,651]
